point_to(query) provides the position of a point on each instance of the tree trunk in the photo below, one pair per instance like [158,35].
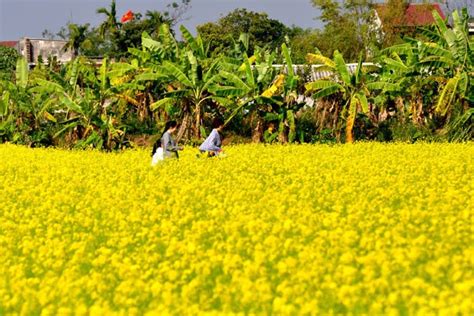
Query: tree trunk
[322,120]
[197,123]
[184,126]
[417,110]
[282,136]
[349,134]
[257,132]
[336,117]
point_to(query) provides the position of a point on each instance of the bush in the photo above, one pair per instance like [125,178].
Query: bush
[8,58]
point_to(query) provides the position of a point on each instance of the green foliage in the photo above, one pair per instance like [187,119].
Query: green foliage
[262,31]
[420,89]
[348,28]
[8,58]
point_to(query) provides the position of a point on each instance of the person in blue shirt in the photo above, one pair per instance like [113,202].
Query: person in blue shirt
[213,145]
[166,147]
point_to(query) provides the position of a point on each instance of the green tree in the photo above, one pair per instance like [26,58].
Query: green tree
[121,36]
[77,39]
[304,42]
[348,28]
[191,78]
[251,88]
[351,87]
[262,31]
[110,25]
[8,58]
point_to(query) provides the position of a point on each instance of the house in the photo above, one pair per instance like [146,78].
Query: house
[410,16]
[33,48]
[11,44]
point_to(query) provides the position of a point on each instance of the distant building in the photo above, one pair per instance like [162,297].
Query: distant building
[32,48]
[416,14]
[11,44]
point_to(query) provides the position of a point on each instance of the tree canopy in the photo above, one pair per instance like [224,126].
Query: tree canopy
[262,30]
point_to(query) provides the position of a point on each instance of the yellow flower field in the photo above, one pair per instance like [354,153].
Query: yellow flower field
[353,229]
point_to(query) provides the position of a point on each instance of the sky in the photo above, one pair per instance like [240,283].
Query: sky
[29,18]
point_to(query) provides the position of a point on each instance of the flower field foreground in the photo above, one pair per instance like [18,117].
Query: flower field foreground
[364,228]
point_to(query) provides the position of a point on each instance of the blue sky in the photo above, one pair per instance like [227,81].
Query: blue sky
[20,18]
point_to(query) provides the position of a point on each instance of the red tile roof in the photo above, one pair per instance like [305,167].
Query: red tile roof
[415,14]
[9,43]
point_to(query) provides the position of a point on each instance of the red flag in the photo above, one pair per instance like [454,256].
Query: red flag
[127,16]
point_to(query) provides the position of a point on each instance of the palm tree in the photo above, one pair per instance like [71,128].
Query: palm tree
[110,25]
[77,38]
[155,19]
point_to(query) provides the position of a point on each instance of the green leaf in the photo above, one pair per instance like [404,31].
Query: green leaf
[196,45]
[48,86]
[49,117]
[103,74]
[66,128]
[292,125]
[325,92]
[249,73]
[364,104]
[439,22]
[211,71]
[22,72]
[177,73]
[237,110]
[4,102]
[210,82]
[194,67]
[162,102]
[223,101]
[149,76]
[384,86]
[69,103]
[203,131]
[150,44]
[447,95]
[341,67]
[395,64]
[120,69]
[235,80]
[144,56]
[358,72]
[322,84]
[74,73]
[229,91]
[320,59]
[289,63]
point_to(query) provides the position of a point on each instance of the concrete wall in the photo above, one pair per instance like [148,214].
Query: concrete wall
[31,49]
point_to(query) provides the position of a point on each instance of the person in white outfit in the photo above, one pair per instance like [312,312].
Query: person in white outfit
[166,147]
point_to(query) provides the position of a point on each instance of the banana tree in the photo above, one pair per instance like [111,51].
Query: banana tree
[190,79]
[252,88]
[24,117]
[432,75]
[83,109]
[286,87]
[141,80]
[352,88]
[407,80]
[450,54]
